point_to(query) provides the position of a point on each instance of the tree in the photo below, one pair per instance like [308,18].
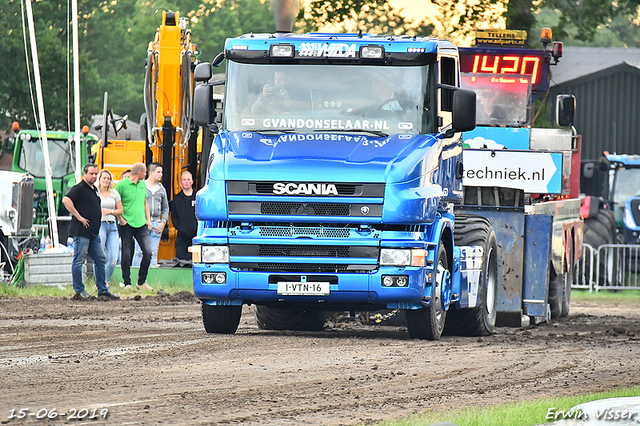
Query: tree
[52,30]
[585,16]
[372,16]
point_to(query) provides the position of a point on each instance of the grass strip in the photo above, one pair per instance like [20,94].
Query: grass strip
[526,413]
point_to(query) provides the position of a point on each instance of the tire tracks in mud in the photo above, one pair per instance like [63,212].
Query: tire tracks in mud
[150,362]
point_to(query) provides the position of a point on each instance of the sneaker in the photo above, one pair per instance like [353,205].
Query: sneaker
[107,295]
[145,287]
[121,284]
[81,295]
[127,288]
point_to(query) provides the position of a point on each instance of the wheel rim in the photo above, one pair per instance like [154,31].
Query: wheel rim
[438,299]
[492,280]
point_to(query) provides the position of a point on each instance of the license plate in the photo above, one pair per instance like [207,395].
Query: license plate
[303,289]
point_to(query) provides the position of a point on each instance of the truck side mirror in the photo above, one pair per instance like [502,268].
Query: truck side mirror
[464,110]
[202,105]
[203,72]
[565,110]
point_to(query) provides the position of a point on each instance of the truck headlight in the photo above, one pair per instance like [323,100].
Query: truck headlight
[215,254]
[395,257]
[402,257]
[209,254]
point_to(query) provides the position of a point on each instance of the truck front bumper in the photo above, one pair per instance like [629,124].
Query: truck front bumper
[345,289]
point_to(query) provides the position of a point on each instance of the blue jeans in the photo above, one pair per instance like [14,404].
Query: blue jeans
[141,235]
[154,238]
[111,246]
[93,246]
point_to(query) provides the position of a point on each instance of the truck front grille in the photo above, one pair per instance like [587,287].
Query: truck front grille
[288,231]
[304,209]
[301,267]
[304,250]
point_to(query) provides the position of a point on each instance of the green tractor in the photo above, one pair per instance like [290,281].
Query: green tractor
[28,157]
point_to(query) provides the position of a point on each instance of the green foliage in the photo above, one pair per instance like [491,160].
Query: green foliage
[370,16]
[621,31]
[53,36]
[576,20]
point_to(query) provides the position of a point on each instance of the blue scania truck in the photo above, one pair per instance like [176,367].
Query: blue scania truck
[331,186]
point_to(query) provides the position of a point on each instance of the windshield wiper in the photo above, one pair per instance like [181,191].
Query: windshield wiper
[373,132]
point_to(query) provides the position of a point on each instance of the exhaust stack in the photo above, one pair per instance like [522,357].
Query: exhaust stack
[284,12]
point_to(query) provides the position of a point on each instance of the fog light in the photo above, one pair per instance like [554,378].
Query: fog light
[214,277]
[402,281]
[387,281]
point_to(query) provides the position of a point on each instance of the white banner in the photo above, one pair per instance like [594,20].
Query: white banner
[534,172]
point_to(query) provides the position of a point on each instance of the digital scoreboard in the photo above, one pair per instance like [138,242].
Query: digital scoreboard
[487,60]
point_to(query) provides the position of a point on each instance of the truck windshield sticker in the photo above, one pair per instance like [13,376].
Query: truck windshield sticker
[332,50]
[326,124]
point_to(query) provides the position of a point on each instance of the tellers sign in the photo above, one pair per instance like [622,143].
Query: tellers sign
[506,61]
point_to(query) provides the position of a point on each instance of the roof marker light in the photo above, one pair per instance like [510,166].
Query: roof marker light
[371,52]
[282,50]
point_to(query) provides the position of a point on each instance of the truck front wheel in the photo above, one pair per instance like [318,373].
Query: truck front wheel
[428,322]
[221,319]
[479,321]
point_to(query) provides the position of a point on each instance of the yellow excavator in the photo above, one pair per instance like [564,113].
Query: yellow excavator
[170,137]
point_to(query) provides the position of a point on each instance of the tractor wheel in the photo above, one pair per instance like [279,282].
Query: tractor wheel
[600,230]
[221,319]
[428,322]
[479,321]
[290,319]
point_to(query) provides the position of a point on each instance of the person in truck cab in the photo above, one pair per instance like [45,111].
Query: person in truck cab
[489,112]
[281,95]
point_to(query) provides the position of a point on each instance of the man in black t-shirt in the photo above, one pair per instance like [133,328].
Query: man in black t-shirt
[83,202]
[183,216]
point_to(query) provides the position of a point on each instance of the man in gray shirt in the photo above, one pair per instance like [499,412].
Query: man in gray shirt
[159,208]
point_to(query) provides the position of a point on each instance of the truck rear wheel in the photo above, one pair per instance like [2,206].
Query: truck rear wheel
[290,319]
[221,319]
[479,321]
[428,322]
[556,295]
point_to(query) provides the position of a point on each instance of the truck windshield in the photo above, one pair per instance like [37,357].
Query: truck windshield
[61,156]
[501,100]
[323,97]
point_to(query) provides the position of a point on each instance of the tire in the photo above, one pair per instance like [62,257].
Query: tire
[599,230]
[611,217]
[290,319]
[556,293]
[568,280]
[428,322]
[481,320]
[221,319]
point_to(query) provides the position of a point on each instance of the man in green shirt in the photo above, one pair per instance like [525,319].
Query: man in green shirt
[135,222]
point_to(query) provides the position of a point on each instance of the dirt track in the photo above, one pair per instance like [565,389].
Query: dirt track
[150,362]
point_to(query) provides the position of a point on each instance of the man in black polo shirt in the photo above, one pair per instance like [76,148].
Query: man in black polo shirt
[83,203]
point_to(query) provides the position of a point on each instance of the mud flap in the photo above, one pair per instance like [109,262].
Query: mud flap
[537,252]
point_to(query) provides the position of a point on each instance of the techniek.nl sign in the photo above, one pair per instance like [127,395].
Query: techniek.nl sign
[533,172]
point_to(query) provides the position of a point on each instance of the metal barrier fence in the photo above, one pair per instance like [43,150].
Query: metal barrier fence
[610,267]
